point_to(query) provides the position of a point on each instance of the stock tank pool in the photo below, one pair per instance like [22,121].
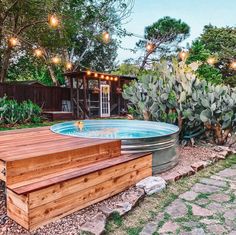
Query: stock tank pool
[136,136]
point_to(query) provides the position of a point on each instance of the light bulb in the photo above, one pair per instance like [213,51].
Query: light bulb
[107,77]
[106,37]
[233,65]
[116,79]
[13,41]
[211,60]
[149,47]
[38,52]
[183,55]
[95,75]
[56,60]
[53,21]
[69,65]
[88,72]
[102,76]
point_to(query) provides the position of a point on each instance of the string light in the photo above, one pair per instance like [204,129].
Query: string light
[38,52]
[150,47]
[95,75]
[107,77]
[183,55]
[88,72]
[106,37]
[102,76]
[111,78]
[13,41]
[69,65]
[56,60]
[53,21]
[116,79]
[211,60]
[233,65]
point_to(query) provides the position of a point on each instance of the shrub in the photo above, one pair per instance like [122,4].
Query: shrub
[177,96]
[12,112]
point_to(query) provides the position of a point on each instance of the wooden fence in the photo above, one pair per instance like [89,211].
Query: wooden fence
[49,98]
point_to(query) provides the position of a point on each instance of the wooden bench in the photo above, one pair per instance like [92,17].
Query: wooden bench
[37,202]
[49,176]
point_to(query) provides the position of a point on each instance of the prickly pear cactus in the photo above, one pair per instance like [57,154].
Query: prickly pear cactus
[175,95]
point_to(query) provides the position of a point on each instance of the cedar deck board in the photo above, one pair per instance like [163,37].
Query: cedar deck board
[40,141]
[79,171]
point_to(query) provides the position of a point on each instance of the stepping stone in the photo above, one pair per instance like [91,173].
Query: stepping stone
[213,182]
[230,214]
[169,227]
[216,207]
[149,229]
[202,201]
[177,209]
[195,231]
[216,229]
[189,196]
[200,211]
[228,173]
[209,221]
[219,197]
[203,188]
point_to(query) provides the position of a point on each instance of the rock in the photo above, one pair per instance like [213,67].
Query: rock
[230,214]
[216,207]
[200,211]
[227,173]
[152,184]
[123,207]
[186,171]
[213,182]
[202,201]
[219,197]
[232,232]
[189,196]
[197,166]
[202,188]
[177,209]
[195,231]
[149,229]
[216,229]
[209,221]
[105,210]
[96,225]
[169,227]
[172,177]
[133,196]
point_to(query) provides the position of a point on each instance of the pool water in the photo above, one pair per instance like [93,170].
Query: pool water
[116,129]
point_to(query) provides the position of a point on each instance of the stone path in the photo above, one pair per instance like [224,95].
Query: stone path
[209,207]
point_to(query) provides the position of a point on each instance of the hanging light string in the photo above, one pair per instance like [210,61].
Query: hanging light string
[54,22]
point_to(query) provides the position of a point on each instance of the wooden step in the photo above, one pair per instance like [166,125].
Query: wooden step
[38,152]
[33,203]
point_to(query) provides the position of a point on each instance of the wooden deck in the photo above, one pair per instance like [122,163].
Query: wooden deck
[49,176]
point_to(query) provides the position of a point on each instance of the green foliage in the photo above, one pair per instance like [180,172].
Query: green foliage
[164,37]
[221,41]
[177,96]
[12,112]
[199,53]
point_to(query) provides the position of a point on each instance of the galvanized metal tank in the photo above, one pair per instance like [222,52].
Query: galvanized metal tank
[136,136]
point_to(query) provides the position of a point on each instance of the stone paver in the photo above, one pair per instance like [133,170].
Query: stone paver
[209,207]
[177,209]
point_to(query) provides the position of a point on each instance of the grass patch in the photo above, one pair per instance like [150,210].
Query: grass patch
[151,206]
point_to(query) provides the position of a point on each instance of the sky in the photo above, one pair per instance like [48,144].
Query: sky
[196,13]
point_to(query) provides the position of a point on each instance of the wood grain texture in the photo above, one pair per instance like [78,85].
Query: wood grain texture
[62,198]
[2,171]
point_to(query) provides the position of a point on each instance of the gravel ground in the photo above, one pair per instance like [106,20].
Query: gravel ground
[71,224]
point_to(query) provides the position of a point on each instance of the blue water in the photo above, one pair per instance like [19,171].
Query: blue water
[116,129]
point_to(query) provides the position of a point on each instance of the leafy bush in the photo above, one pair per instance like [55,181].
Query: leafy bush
[177,96]
[12,112]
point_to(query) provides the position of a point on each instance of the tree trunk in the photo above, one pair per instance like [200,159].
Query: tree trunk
[5,64]
[53,75]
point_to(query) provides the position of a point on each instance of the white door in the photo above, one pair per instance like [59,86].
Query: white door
[105,100]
